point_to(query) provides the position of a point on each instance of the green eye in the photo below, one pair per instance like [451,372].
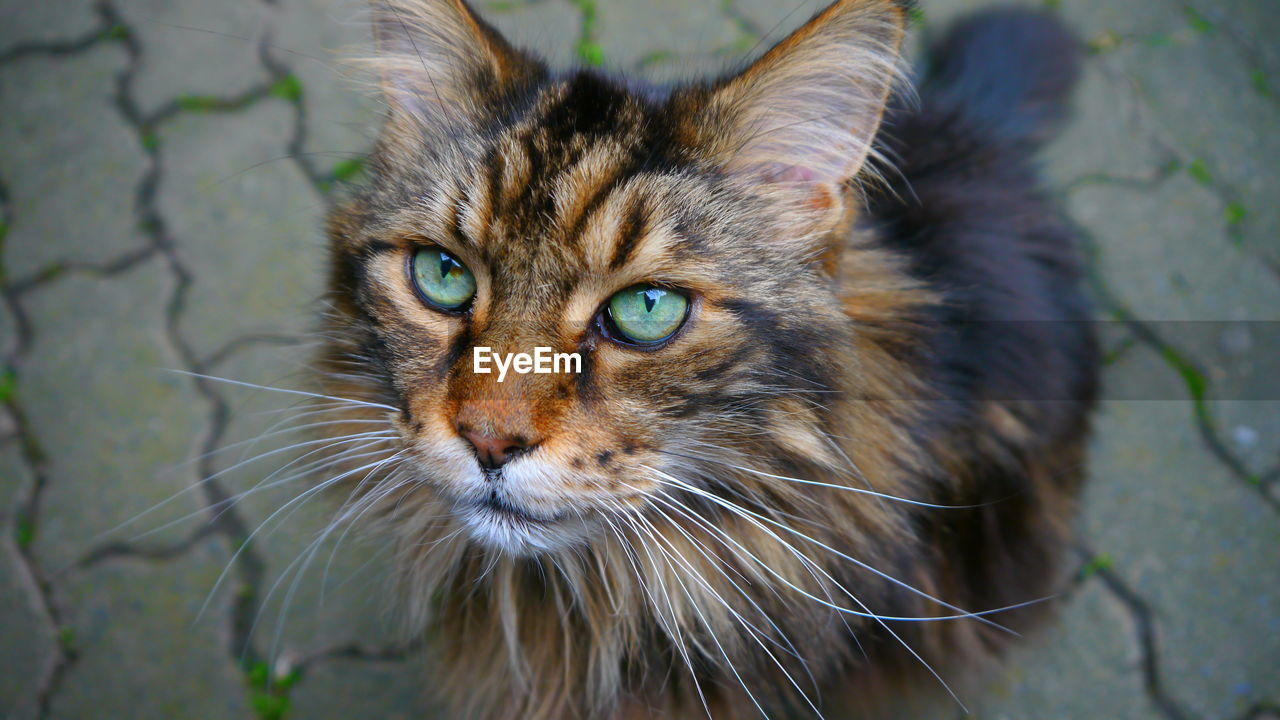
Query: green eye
[442,280]
[646,315]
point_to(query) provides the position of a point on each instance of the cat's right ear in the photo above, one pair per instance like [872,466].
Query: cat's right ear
[800,122]
[438,61]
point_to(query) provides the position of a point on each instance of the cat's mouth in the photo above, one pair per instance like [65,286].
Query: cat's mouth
[495,506]
[504,525]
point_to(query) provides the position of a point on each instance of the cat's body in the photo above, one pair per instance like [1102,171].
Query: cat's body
[872,411]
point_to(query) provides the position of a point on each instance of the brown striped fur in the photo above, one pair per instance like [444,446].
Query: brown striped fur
[816,363]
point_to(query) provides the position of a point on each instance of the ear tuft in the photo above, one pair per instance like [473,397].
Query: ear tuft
[806,113]
[437,59]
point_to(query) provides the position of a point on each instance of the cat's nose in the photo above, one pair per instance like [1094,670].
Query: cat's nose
[496,451]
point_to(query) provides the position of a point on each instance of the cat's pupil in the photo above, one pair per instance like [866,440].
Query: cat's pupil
[651,298]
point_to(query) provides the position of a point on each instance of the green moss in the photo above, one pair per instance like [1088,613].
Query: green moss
[150,141]
[589,51]
[24,534]
[916,16]
[8,385]
[1158,40]
[116,32]
[287,88]
[1195,380]
[1105,43]
[1260,84]
[1053,4]
[1096,564]
[1200,172]
[269,695]
[4,233]
[67,638]
[1197,21]
[52,271]
[1235,213]
[198,103]
[268,706]
[345,170]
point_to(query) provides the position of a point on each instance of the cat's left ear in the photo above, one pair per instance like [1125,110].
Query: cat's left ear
[800,121]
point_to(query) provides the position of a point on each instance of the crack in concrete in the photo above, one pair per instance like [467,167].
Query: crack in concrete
[115,550]
[1235,215]
[28,513]
[117,266]
[56,48]
[296,147]
[239,344]
[358,651]
[227,522]
[27,517]
[1180,362]
[1262,711]
[1144,622]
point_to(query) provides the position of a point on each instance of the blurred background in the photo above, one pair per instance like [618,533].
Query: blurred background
[164,167]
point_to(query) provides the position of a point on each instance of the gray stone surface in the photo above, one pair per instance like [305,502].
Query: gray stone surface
[55,111]
[27,637]
[1095,644]
[547,27]
[235,201]
[150,610]
[362,688]
[319,41]
[1193,542]
[692,34]
[317,596]
[44,23]
[1165,253]
[195,48]
[115,424]
[1169,165]
[1238,153]
[8,336]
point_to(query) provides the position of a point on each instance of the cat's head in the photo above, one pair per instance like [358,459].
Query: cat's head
[677,242]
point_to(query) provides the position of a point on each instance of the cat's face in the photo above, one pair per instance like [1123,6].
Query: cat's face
[675,245]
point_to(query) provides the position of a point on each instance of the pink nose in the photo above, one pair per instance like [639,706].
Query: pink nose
[494,452]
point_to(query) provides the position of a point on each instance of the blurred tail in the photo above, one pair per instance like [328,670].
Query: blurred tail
[1008,70]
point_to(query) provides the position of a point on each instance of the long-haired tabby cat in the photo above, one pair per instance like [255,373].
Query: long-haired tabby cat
[828,426]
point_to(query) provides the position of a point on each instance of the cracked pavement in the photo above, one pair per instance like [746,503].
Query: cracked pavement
[163,170]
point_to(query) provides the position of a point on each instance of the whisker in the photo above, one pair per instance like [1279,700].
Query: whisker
[847,488]
[878,620]
[712,634]
[201,482]
[286,391]
[962,614]
[302,497]
[790,648]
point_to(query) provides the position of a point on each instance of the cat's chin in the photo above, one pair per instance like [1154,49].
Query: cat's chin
[514,531]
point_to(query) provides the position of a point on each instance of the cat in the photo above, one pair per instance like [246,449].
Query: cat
[828,427]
